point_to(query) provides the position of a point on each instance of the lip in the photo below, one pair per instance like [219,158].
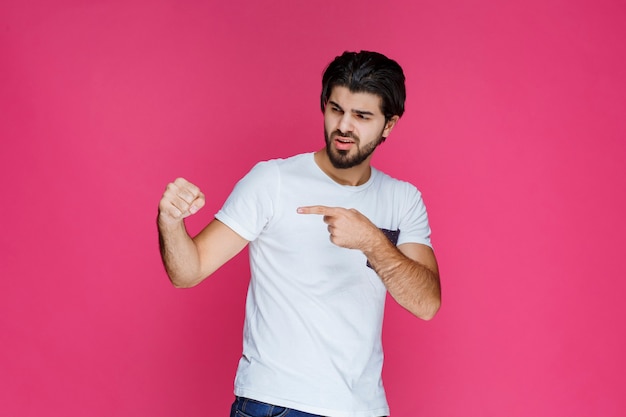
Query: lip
[343,143]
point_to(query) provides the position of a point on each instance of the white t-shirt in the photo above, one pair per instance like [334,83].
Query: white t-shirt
[314,312]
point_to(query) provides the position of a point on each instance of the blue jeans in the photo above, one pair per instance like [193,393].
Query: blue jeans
[245,407]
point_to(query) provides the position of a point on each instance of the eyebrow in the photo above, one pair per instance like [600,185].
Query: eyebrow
[361,112]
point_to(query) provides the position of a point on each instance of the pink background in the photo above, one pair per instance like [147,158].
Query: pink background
[515,132]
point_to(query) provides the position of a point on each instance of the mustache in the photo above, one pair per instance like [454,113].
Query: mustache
[344,135]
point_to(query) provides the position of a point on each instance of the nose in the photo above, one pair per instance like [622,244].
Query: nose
[345,123]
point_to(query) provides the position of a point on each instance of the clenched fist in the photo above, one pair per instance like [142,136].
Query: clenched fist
[180,200]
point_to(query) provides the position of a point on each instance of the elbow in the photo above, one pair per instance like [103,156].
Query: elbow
[180,284]
[184,282]
[431,304]
[428,311]
[185,278]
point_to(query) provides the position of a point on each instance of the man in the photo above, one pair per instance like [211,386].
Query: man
[329,235]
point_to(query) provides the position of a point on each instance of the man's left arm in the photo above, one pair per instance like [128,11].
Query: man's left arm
[410,274]
[409,271]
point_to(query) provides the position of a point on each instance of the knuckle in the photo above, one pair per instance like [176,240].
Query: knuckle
[184,196]
[171,187]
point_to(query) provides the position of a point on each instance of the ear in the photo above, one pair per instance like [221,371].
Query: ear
[389,126]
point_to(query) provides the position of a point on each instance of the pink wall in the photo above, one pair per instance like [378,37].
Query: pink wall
[514,131]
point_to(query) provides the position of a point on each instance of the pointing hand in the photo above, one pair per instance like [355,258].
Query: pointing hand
[348,228]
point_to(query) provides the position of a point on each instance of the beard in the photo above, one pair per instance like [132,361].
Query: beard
[342,159]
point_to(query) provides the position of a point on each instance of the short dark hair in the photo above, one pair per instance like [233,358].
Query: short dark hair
[367,72]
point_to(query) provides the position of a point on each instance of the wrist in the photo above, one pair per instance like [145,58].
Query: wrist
[168,223]
[378,244]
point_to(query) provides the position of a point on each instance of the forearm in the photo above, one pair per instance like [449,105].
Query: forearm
[412,284]
[179,254]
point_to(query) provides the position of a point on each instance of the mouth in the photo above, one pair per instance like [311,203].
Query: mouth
[343,143]
[343,139]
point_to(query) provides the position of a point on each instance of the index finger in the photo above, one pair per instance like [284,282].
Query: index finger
[187,186]
[323,210]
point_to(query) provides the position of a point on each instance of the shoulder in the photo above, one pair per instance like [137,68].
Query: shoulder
[296,165]
[395,185]
[278,163]
[273,171]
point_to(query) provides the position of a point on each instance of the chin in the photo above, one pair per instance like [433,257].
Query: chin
[342,161]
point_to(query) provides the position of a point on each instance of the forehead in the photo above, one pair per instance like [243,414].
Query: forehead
[355,101]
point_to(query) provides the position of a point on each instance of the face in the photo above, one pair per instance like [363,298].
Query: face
[353,126]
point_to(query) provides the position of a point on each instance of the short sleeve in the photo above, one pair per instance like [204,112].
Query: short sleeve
[251,204]
[414,226]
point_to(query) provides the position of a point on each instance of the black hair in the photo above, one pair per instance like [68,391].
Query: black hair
[367,72]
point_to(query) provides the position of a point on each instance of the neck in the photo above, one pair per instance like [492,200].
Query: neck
[354,176]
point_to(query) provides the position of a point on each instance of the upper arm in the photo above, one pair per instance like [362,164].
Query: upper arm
[420,253]
[217,244]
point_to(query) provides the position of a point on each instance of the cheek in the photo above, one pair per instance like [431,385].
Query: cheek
[371,133]
[330,125]
[327,121]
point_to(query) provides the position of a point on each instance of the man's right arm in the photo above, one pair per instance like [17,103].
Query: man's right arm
[187,260]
